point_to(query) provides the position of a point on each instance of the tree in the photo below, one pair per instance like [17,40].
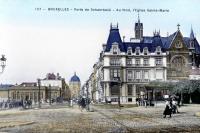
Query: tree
[192,87]
[186,86]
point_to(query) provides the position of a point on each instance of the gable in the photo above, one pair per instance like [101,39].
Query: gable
[178,43]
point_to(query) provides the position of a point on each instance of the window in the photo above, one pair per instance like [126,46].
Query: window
[178,44]
[129,51]
[158,61]
[192,44]
[137,51]
[129,99]
[130,90]
[115,49]
[115,74]
[178,63]
[158,50]
[129,75]
[137,75]
[137,62]
[115,90]
[129,62]
[146,62]
[159,74]
[145,51]
[115,62]
[146,75]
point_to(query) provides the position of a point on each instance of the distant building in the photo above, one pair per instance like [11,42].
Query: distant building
[56,81]
[52,86]
[28,91]
[4,91]
[52,80]
[74,86]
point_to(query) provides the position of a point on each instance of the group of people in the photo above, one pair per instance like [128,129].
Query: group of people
[8,104]
[171,107]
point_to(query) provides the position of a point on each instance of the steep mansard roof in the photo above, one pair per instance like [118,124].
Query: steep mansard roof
[113,37]
[151,42]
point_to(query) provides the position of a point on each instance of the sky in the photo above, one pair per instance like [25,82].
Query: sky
[36,42]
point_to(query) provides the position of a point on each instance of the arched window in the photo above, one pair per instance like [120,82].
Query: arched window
[129,50]
[145,51]
[158,50]
[137,51]
[115,49]
[178,44]
[178,63]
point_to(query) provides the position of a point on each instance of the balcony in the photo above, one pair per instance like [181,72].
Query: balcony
[115,64]
[115,79]
[159,64]
[137,65]
[138,80]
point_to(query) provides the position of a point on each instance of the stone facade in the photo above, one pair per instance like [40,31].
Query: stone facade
[126,67]
[74,87]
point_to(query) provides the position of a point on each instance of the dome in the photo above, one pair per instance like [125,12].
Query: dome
[74,78]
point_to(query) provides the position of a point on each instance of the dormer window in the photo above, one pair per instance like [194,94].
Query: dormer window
[178,44]
[145,51]
[158,50]
[129,51]
[137,51]
[115,49]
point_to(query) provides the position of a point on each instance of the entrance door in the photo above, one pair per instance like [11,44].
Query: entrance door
[115,90]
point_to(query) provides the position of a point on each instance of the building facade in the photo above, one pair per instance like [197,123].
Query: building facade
[51,87]
[56,81]
[127,66]
[74,86]
[30,91]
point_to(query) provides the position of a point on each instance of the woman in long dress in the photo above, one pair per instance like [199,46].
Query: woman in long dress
[168,110]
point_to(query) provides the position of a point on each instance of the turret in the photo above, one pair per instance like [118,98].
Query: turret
[138,29]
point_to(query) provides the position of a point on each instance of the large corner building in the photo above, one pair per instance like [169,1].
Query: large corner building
[126,66]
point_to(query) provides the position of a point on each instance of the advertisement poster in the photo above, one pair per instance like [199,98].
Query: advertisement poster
[99,66]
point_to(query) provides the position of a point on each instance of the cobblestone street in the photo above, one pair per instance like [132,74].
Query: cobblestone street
[65,119]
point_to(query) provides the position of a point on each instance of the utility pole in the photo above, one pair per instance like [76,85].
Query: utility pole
[39,99]
[49,94]
[87,86]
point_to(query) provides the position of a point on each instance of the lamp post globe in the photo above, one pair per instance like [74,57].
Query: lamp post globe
[3,63]
[39,99]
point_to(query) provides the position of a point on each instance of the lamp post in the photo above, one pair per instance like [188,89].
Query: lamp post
[119,85]
[39,103]
[49,94]
[87,86]
[3,63]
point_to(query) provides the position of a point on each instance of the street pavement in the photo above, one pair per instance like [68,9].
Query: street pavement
[62,118]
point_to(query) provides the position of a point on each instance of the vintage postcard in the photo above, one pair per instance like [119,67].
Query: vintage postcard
[87,66]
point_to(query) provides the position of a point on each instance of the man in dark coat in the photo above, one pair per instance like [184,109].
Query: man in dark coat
[82,103]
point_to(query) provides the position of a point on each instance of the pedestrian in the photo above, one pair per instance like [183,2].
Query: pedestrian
[83,104]
[174,106]
[168,110]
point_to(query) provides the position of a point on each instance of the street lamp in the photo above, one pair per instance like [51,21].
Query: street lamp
[49,94]
[119,85]
[39,83]
[3,63]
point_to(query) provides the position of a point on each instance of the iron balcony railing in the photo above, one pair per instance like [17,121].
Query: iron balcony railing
[138,80]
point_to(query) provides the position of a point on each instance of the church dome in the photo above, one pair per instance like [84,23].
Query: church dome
[75,78]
